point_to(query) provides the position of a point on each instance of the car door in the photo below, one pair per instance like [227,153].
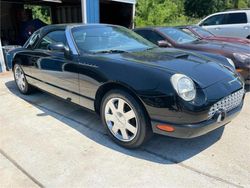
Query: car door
[236,25]
[215,24]
[54,71]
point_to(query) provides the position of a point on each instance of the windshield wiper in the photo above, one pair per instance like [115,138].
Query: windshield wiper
[111,51]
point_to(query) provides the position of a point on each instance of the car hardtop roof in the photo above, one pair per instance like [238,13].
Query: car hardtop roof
[53,27]
[230,11]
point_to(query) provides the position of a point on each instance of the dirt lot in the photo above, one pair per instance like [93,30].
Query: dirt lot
[46,142]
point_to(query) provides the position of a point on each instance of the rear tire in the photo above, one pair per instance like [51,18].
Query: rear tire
[125,119]
[23,86]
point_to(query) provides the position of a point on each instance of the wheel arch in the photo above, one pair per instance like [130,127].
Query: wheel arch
[105,88]
[16,58]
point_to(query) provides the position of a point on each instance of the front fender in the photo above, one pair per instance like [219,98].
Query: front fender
[12,55]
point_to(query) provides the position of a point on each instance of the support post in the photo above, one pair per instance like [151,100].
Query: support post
[133,16]
[84,11]
[2,61]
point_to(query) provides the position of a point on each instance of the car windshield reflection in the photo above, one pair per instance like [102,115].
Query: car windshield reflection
[178,36]
[203,32]
[108,39]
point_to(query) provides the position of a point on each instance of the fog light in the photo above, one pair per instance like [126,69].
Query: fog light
[164,127]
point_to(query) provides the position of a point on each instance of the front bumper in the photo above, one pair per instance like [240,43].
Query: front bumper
[198,129]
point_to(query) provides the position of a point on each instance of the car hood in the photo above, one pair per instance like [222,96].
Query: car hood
[200,68]
[214,45]
[230,39]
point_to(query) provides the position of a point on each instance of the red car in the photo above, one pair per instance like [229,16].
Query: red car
[207,35]
[172,37]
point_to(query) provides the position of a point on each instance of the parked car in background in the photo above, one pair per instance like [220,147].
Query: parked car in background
[135,86]
[233,23]
[207,35]
[176,38]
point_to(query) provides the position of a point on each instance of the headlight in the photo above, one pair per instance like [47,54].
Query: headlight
[242,57]
[184,86]
[230,61]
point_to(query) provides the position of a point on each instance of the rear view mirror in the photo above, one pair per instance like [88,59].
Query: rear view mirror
[163,44]
[59,46]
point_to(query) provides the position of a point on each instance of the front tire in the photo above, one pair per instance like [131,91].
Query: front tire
[21,81]
[125,119]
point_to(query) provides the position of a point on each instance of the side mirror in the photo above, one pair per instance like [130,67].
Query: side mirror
[163,44]
[59,47]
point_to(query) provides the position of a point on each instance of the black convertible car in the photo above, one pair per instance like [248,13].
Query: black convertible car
[136,87]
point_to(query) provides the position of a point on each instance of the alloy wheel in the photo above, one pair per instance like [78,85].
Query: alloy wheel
[20,78]
[121,119]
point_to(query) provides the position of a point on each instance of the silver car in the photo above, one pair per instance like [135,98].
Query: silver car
[234,23]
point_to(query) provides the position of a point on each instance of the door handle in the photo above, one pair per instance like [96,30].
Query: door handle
[246,27]
[217,28]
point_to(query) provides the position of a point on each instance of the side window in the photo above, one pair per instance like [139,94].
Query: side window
[143,33]
[151,36]
[214,20]
[236,18]
[52,37]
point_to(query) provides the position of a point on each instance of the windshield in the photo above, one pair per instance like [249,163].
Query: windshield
[108,39]
[202,32]
[178,36]
[32,39]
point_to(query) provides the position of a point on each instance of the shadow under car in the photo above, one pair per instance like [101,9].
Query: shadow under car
[160,149]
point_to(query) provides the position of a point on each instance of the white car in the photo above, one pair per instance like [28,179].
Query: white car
[235,23]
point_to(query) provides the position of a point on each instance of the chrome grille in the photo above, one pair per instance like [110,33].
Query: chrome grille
[228,103]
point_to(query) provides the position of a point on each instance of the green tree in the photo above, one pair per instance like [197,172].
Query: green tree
[180,12]
[159,12]
[199,8]
[40,12]
[231,4]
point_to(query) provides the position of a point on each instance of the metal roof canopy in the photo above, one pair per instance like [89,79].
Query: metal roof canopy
[39,1]
[42,2]
[60,1]
[126,1]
